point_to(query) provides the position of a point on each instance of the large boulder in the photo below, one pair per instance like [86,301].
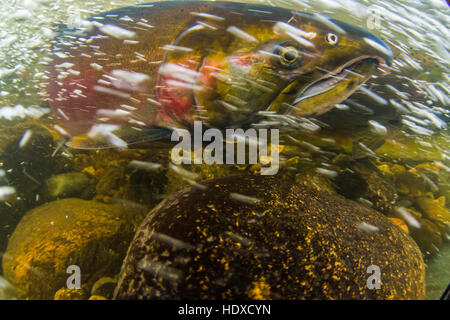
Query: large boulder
[54,236]
[255,237]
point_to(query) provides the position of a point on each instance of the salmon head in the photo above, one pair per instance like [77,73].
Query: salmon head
[249,59]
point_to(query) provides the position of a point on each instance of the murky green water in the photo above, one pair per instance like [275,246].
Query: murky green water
[364,184]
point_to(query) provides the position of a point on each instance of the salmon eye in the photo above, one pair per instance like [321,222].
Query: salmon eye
[332,39]
[288,56]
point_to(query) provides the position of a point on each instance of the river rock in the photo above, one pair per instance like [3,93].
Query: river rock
[242,238]
[435,209]
[97,298]
[70,294]
[54,236]
[364,180]
[70,184]
[26,166]
[104,287]
[428,236]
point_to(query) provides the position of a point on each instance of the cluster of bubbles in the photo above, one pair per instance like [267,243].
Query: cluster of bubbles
[26,30]
[417,88]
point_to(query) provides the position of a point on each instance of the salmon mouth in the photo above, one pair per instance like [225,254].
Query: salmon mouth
[341,75]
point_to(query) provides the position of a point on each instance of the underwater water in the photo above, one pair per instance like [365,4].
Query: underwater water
[348,200]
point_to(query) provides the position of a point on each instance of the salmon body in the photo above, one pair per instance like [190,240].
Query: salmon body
[167,64]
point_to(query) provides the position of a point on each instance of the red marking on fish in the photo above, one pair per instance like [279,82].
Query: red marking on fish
[73,110]
[208,73]
[175,99]
[175,95]
[242,59]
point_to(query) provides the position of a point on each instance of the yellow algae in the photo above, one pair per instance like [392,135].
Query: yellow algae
[400,223]
[260,290]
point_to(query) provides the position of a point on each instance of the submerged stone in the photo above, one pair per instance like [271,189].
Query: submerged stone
[70,294]
[428,237]
[434,209]
[27,164]
[400,223]
[59,234]
[104,287]
[240,238]
[364,180]
[71,184]
[97,298]
[117,179]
